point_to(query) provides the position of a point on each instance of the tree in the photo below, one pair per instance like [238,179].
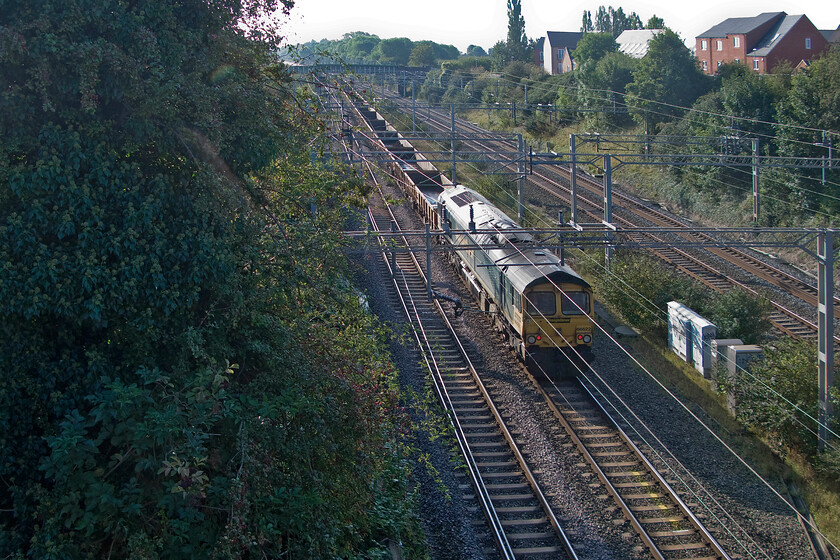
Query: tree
[603,22]
[776,392]
[394,51]
[517,42]
[358,45]
[475,50]
[614,71]
[619,21]
[655,22]
[586,24]
[667,80]
[422,55]
[592,47]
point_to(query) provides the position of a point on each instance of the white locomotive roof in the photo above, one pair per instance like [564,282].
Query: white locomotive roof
[524,264]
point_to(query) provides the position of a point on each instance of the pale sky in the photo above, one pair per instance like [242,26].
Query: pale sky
[484,22]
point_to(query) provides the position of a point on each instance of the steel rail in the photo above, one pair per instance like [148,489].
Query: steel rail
[496,526]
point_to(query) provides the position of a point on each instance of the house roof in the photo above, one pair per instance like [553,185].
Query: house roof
[539,43]
[774,36]
[831,35]
[740,26]
[565,39]
[635,42]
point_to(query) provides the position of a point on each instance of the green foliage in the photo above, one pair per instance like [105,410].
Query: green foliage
[475,50]
[364,47]
[586,25]
[427,53]
[608,20]
[778,392]
[739,314]
[811,105]
[655,22]
[592,47]
[156,188]
[517,41]
[639,289]
[394,51]
[667,78]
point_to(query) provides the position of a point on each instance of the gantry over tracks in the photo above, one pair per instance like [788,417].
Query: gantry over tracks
[552,173]
[458,386]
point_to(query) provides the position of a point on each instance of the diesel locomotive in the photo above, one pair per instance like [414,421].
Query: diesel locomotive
[542,305]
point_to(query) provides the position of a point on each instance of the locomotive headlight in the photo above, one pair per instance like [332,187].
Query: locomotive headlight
[532,339]
[587,339]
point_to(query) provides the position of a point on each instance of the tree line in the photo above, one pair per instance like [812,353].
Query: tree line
[365,47]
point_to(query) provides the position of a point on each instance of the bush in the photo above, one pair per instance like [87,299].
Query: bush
[778,397]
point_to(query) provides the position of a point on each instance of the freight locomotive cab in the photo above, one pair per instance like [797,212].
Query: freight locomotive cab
[543,306]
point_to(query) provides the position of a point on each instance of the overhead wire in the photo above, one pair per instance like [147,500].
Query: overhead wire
[700,421]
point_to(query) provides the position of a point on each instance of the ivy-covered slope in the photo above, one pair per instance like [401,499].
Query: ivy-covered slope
[184,371]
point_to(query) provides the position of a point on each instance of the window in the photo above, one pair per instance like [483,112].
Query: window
[719,63]
[808,43]
[463,199]
[755,64]
[541,303]
[737,42]
[719,45]
[705,66]
[737,60]
[574,303]
[704,45]
[542,56]
[559,54]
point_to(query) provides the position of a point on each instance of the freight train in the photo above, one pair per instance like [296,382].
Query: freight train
[542,305]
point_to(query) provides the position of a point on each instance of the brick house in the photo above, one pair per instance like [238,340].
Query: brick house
[557,47]
[761,42]
[539,55]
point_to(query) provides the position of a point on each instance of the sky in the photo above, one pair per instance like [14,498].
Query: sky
[484,22]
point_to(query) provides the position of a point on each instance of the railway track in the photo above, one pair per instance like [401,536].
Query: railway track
[520,521]
[626,208]
[666,525]
[501,482]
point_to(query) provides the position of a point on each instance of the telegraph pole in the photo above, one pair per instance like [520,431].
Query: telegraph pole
[755,167]
[452,143]
[521,179]
[825,324]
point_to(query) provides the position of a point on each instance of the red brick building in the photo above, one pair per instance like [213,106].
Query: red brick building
[761,42]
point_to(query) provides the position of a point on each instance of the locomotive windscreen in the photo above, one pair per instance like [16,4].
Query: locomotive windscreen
[541,303]
[571,303]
